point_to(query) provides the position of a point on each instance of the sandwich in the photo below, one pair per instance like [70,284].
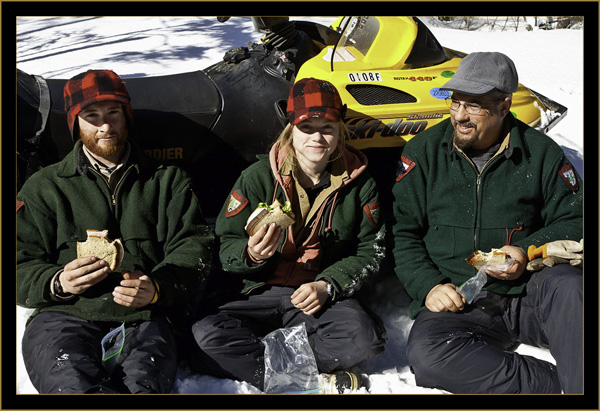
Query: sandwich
[268,214]
[479,258]
[99,245]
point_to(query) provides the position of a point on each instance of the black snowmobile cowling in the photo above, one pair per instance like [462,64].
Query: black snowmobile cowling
[213,122]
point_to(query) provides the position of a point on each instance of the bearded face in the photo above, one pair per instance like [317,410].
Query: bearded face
[481,128]
[103,130]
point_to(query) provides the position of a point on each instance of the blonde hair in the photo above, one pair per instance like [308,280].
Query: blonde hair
[285,141]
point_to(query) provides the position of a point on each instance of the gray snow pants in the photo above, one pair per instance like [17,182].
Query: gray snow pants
[63,355]
[469,352]
[341,334]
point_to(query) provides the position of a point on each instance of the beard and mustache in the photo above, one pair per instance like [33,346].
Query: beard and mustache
[465,141]
[106,149]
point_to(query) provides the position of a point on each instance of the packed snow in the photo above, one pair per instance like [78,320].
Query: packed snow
[60,47]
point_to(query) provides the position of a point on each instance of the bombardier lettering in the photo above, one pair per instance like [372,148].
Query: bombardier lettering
[370,128]
[169,153]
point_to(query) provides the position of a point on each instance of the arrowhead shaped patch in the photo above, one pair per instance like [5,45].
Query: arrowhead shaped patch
[404,166]
[237,202]
[567,173]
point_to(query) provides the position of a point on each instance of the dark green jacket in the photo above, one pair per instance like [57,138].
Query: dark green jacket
[444,210]
[351,235]
[152,210]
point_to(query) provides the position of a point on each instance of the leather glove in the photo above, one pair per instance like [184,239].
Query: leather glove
[556,252]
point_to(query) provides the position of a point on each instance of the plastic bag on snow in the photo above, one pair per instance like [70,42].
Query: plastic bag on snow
[290,365]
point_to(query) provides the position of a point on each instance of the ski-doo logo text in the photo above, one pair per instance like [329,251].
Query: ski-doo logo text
[371,128]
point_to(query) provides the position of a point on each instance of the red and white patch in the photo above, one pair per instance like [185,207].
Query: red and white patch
[372,212]
[237,202]
[404,166]
[19,205]
[568,174]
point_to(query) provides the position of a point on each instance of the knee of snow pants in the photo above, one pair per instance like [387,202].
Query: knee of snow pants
[551,314]
[469,352]
[230,349]
[148,362]
[62,354]
[342,335]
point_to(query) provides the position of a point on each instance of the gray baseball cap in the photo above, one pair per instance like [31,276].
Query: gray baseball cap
[481,72]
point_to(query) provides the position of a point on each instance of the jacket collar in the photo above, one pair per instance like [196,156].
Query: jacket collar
[352,163]
[515,137]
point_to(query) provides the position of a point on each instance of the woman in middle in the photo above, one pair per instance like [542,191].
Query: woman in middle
[309,272]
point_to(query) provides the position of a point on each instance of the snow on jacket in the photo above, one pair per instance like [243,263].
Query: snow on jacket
[443,210]
[350,235]
[152,210]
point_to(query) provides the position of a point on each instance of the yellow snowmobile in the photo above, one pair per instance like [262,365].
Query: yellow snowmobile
[389,71]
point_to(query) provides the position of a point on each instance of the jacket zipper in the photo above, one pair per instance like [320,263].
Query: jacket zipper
[477,188]
[113,192]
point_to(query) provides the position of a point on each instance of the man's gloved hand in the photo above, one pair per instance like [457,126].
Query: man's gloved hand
[556,252]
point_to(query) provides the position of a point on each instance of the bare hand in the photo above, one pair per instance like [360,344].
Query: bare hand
[444,297]
[135,290]
[310,297]
[82,273]
[264,242]
[516,269]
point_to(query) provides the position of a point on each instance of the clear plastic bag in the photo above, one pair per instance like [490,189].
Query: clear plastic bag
[472,287]
[290,365]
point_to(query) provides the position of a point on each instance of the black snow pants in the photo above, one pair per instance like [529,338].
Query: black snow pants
[470,351]
[341,334]
[62,354]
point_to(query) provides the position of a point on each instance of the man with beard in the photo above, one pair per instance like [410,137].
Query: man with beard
[107,183]
[483,180]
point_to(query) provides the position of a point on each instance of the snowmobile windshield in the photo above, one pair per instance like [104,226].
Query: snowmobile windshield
[359,33]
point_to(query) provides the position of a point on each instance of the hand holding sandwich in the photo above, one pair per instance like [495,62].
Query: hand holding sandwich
[263,243]
[82,273]
[516,269]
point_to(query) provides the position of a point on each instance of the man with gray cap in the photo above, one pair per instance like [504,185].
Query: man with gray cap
[478,181]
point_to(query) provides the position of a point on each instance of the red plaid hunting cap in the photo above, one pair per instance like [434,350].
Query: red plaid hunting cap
[311,97]
[92,87]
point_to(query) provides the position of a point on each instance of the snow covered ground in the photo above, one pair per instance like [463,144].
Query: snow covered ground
[60,47]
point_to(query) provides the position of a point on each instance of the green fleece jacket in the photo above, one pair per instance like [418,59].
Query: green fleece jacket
[444,210]
[351,234]
[152,210]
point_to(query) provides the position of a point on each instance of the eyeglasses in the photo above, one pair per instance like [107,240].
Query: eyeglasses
[472,108]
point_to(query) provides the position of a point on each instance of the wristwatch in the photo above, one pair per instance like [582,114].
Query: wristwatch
[57,289]
[329,289]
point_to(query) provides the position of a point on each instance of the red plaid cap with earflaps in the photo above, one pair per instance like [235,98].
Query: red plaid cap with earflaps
[92,87]
[311,97]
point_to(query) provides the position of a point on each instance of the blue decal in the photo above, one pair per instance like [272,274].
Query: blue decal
[440,94]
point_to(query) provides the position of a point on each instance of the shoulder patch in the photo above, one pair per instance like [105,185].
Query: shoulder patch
[372,212]
[404,166]
[567,173]
[237,202]
[19,205]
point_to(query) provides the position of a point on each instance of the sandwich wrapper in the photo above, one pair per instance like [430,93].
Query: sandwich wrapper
[112,345]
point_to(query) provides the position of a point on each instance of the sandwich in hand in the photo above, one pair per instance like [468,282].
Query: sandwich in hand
[99,245]
[479,258]
[268,214]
